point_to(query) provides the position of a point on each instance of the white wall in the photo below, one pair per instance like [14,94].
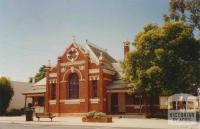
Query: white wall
[18,100]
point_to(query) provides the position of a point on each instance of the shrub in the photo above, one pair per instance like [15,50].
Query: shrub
[90,114]
[99,115]
[14,112]
[94,114]
[6,93]
[197,115]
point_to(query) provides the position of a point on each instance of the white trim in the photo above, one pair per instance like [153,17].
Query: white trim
[73,63]
[72,49]
[72,101]
[63,81]
[62,69]
[52,74]
[91,71]
[92,54]
[52,102]
[94,101]
[75,45]
[81,67]
[95,77]
[52,81]
[72,69]
[108,72]
[82,100]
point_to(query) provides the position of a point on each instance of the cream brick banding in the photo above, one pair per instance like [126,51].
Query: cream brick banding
[91,71]
[95,77]
[94,101]
[73,63]
[72,70]
[53,75]
[72,101]
[52,81]
[52,102]
[63,70]
[108,72]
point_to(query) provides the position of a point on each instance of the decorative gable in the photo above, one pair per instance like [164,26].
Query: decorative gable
[72,54]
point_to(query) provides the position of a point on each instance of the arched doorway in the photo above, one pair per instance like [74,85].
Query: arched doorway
[73,86]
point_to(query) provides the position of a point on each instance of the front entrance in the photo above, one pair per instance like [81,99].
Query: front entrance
[114,103]
[124,103]
[118,104]
[38,103]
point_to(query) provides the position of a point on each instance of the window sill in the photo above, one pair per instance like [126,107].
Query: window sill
[73,101]
[94,100]
[52,102]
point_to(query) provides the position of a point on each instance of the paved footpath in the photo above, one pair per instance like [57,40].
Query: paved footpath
[117,122]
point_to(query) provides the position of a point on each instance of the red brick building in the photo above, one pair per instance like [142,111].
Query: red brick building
[87,78]
[77,84]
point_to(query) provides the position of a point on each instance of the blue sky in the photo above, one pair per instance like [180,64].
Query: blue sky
[34,31]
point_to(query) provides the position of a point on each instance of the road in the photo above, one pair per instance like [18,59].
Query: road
[32,126]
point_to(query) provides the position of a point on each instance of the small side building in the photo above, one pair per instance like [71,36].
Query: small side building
[36,93]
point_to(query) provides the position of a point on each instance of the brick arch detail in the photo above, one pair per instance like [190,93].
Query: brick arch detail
[69,71]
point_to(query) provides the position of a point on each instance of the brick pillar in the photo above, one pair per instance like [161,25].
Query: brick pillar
[108,100]
[47,90]
[87,82]
[101,87]
[58,87]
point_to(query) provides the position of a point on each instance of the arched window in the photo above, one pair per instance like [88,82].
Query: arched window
[73,86]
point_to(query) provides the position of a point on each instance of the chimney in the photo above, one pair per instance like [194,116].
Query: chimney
[33,80]
[126,47]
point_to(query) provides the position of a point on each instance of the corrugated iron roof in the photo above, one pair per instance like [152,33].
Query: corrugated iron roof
[42,82]
[119,84]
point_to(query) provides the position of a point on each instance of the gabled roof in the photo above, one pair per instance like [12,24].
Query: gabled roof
[118,69]
[42,82]
[37,88]
[96,53]
[119,84]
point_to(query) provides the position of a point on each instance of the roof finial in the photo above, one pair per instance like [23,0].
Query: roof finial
[49,63]
[73,38]
[101,56]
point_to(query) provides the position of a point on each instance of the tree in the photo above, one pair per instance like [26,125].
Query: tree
[6,93]
[185,10]
[165,61]
[40,75]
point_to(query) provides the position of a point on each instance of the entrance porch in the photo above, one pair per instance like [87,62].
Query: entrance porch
[124,103]
[119,101]
[37,102]
[37,94]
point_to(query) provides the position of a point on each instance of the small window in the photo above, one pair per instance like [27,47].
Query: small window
[40,101]
[94,88]
[53,91]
